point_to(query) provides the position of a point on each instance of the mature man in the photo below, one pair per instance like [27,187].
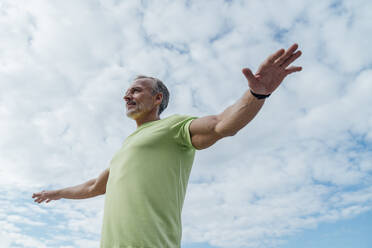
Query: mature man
[146,181]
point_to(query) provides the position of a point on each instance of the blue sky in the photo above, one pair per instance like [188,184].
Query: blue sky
[299,175]
[352,232]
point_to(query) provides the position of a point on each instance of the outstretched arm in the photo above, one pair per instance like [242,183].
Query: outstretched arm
[208,130]
[88,189]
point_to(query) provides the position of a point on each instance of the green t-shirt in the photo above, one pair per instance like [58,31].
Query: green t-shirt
[147,184]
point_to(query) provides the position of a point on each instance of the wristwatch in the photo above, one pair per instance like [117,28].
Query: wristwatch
[258,96]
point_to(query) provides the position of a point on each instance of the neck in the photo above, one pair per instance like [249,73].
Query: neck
[147,118]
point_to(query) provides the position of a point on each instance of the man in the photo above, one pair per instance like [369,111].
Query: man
[146,181]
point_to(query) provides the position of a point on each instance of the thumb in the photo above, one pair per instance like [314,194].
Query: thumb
[248,74]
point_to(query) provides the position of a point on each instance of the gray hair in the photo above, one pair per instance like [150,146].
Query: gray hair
[158,87]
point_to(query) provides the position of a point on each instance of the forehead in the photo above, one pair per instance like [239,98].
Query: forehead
[142,83]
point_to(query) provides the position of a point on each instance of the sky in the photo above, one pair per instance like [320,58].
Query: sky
[298,175]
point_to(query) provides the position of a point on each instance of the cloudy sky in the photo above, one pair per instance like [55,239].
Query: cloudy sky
[299,175]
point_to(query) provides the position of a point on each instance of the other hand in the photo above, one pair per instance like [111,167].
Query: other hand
[45,196]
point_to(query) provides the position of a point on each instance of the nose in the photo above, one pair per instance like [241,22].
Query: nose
[127,98]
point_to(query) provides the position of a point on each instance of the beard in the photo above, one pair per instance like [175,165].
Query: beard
[135,111]
[140,109]
[131,113]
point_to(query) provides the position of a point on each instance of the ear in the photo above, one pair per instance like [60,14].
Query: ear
[159,98]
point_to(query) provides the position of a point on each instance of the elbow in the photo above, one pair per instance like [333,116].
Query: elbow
[233,133]
[100,191]
[103,191]
[230,133]
[223,130]
[94,190]
[226,133]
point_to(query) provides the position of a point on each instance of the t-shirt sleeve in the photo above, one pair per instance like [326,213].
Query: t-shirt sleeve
[180,130]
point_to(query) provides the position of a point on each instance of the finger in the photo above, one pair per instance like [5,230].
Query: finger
[292,58]
[36,195]
[287,54]
[293,69]
[276,55]
[248,74]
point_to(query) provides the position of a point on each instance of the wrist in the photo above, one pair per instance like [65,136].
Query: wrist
[57,193]
[258,96]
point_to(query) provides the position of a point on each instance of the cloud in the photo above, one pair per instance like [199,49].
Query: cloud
[304,160]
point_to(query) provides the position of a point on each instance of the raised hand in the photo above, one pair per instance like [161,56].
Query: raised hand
[46,196]
[272,71]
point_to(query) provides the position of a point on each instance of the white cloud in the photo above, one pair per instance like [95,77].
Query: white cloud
[305,159]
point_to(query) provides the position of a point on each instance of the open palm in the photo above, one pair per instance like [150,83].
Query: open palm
[272,71]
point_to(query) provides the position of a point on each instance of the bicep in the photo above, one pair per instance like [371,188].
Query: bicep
[101,181]
[203,132]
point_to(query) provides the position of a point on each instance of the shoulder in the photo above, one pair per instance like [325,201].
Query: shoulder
[177,119]
[180,117]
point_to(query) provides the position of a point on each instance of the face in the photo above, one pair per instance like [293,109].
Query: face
[139,99]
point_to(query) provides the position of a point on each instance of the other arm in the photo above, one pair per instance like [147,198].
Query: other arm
[91,188]
[208,130]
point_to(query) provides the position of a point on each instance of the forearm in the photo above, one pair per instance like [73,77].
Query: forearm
[82,191]
[238,115]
